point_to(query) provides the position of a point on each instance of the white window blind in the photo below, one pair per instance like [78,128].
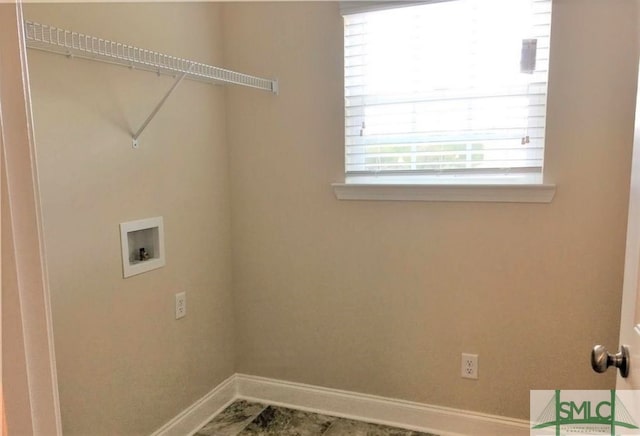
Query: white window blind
[446,89]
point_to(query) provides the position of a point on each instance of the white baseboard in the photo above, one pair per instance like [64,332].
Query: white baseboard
[202,411]
[398,413]
[380,410]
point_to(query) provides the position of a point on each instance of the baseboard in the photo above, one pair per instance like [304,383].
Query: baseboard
[380,410]
[202,411]
[398,413]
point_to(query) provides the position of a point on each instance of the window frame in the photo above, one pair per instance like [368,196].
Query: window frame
[464,187]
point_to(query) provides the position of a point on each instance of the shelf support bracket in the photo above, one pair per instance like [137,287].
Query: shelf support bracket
[158,106]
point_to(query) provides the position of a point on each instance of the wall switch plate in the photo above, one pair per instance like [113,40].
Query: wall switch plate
[181,305]
[469,366]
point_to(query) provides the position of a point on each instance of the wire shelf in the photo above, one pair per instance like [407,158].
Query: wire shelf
[74,44]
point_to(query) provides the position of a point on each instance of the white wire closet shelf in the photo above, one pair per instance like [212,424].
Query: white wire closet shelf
[74,44]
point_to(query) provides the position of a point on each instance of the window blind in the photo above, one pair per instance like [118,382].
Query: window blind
[359,6]
[447,88]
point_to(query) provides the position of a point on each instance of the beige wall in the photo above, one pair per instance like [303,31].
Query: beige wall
[382,297]
[125,364]
[375,297]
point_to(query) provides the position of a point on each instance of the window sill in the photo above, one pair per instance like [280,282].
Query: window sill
[496,193]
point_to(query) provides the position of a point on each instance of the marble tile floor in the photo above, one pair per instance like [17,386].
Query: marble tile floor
[243,418]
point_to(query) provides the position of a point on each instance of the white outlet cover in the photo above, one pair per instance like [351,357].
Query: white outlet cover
[181,305]
[469,366]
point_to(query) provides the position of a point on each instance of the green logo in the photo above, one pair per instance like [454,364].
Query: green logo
[585,414]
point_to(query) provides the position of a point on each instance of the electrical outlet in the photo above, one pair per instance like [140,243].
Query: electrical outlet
[469,366]
[181,304]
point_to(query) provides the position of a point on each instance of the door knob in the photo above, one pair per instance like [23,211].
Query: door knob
[601,359]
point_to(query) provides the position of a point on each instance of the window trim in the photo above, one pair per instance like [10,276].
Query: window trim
[483,193]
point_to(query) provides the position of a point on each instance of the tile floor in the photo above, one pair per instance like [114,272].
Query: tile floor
[243,418]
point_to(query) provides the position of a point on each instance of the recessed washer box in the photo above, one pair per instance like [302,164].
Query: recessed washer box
[142,245]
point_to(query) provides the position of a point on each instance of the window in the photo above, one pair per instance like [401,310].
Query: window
[445,91]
